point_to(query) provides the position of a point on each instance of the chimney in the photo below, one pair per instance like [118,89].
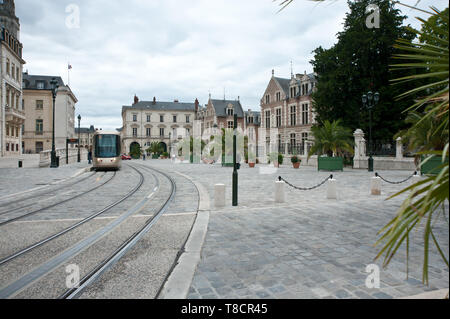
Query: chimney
[136,99]
[154,100]
[196,105]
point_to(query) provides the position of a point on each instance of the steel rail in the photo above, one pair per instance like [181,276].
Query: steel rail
[38,273]
[65,231]
[92,276]
[56,204]
[43,192]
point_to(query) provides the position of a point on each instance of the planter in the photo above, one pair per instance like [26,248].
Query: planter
[276,164]
[155,156]
[331,164]
[251,165]
[432,166]
[296,165]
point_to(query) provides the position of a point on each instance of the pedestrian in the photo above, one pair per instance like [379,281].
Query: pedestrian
[90,156]
[143,156]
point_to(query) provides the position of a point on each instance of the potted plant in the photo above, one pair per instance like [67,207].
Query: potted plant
[251,159]
[155,149]
[280,159]
[331,140]
[274,158]
[296,161]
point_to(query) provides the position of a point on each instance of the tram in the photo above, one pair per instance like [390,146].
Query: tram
[106,151]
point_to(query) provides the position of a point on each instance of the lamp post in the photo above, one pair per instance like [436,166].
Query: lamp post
[235,165]
[370,101]
[79,131]
[54,88]
[170,144]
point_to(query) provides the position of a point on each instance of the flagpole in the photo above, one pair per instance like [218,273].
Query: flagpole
[68,74]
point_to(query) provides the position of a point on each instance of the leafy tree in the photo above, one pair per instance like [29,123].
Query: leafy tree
[358,63]
[136,151]
[331,139]
[426,199]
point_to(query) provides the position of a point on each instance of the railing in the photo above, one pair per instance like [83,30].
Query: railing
[45,156]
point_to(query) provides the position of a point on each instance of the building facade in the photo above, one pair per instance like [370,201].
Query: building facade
[287,113]
[220,114]
[12,113]
[146,122]
[38,105]
[86,136]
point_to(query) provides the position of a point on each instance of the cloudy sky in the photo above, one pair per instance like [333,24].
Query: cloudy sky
[174,49]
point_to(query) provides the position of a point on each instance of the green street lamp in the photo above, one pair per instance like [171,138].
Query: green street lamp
[54,87]
[369,102]
[79,131]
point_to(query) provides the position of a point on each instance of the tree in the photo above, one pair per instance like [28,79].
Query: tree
[425,201]
[331,139]
[358,63]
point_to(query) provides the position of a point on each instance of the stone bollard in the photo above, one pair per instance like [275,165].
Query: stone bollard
[219,195]
[280,196]
[415,179]
[332,189]
[375,186]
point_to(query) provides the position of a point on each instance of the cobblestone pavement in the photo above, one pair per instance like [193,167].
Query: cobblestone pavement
[309,247]
[14,180]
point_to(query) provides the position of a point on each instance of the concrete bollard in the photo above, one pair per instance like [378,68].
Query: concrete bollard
[280,195]
[219,195]
[375,186]
[332,189]
[415,179]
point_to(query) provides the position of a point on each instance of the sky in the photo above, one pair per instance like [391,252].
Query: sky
[175,49]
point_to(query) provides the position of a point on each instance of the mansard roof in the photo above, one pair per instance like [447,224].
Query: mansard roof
[30,81]
[161,106]
[220,107]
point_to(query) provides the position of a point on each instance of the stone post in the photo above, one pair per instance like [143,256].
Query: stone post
[332,189]
[399,153]
[375,186]
[360,149]
[280,196]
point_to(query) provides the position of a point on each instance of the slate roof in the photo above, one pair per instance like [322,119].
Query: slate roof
[30,81]
[220,107]
[85,130]
[161,106]
[256,117]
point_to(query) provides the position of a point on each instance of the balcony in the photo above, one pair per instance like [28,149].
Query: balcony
[14,116]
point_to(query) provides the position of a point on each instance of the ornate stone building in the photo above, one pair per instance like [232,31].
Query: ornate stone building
[146,122]
[38,105]
[286,108]
[220,114]
[12,115]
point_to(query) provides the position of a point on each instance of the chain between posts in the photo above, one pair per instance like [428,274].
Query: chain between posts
[305,189]
[396,183]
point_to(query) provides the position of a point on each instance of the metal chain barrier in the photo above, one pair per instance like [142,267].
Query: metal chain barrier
[396,183]
[305,189]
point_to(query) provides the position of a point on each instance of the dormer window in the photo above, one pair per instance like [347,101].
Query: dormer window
[40,85]
[230,110]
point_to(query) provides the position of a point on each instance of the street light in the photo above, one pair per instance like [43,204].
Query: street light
[79,155]
[54,86]
[370,101]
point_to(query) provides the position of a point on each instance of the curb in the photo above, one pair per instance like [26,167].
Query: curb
[179,281]
[437,294]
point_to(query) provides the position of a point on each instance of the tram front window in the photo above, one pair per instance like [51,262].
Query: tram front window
[107,146]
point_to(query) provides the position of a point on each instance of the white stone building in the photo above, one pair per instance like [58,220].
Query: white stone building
[146,122]
[12,115]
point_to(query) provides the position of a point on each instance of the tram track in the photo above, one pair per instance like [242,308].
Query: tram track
[8,203]
[11,220]
[50,264]
[34,203]
[126,246]
[66,230]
